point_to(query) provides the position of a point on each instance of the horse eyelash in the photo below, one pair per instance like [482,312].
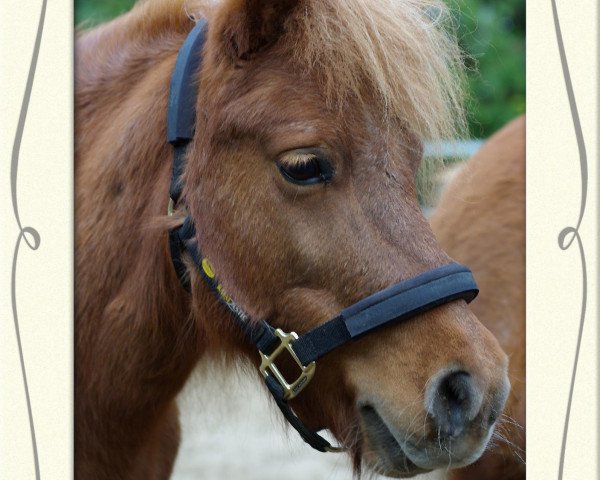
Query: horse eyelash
[294,159]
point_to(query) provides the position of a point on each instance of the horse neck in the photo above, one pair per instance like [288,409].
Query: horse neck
[131,309]
[123,168]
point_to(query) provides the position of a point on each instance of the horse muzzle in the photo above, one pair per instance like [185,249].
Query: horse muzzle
[458,423]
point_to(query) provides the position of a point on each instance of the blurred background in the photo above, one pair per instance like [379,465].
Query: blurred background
[492,33]
[225,435]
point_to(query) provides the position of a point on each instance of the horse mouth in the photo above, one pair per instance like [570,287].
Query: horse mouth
[390,459]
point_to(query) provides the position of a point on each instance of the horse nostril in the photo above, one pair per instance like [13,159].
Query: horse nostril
[454,401]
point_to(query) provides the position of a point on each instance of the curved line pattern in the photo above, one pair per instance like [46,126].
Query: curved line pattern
[569,234]
[28,234]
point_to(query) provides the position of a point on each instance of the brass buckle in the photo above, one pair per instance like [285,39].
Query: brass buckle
[290,390]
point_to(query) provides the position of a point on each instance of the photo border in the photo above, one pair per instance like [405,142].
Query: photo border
[36,240]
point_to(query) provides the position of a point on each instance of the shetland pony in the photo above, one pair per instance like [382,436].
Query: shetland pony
[284,85]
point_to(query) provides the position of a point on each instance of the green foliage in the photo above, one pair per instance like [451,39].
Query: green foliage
[491,32]
[92,12]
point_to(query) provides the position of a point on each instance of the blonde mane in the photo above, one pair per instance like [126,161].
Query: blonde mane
[403,54]
[401,50]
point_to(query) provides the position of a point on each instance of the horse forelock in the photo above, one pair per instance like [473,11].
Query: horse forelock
[402,54]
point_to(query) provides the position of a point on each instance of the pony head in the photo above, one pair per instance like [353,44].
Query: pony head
[300,179]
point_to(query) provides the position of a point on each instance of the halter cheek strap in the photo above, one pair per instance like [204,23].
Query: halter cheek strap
[393,304]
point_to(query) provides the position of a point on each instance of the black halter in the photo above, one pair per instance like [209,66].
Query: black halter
[398,302]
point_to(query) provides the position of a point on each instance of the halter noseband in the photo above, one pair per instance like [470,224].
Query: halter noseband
[398,302]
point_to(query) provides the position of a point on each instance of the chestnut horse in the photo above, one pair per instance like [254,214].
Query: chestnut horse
[285,88]
[480,221]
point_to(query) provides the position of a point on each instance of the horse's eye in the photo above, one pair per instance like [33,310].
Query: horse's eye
[307,169]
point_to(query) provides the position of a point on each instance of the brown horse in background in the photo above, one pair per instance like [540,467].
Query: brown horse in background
[480,221]
[359,85]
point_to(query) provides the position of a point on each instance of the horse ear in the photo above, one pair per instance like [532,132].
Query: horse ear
[248,26]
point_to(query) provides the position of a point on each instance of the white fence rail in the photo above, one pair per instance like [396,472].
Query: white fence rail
[453,148]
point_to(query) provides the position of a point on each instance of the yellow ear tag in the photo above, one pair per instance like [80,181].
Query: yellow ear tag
[208,269]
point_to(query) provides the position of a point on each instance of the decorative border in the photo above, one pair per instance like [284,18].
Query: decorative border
[551,429]
[573,232]
[36,183]
[34,241]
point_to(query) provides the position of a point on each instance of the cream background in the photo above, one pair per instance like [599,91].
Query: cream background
[554,285]
[44,276]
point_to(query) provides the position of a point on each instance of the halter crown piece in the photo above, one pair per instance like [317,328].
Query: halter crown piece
[395,303]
